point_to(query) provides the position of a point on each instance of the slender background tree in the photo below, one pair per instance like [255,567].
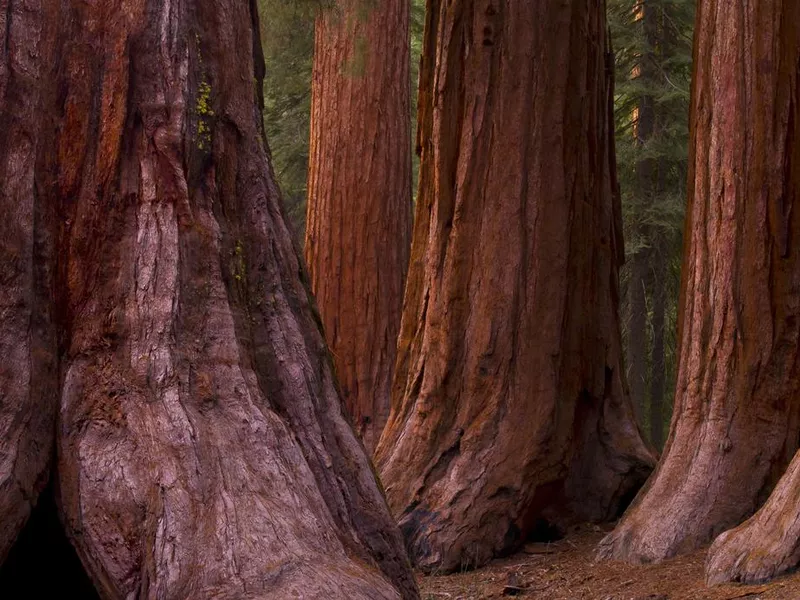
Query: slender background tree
[652,44]
[358,225]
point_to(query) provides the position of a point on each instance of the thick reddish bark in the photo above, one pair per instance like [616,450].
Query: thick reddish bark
[358,225]
[737,405]
[509,399]
[28,375]
[767,544]
[202,449]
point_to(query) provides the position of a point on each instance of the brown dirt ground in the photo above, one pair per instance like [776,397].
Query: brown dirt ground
[567,570]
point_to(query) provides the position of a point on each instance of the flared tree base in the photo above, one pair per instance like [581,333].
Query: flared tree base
[767,544]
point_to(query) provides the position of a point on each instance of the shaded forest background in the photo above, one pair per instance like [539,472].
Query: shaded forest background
[653,55]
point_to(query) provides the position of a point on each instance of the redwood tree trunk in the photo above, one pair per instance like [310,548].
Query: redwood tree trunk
[509,398]
[735,424]
[202,449]
[358,225]
[768,543]
[28,374]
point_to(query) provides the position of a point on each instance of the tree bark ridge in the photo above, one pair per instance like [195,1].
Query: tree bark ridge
[29,374]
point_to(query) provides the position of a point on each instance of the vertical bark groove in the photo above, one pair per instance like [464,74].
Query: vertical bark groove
[28,375]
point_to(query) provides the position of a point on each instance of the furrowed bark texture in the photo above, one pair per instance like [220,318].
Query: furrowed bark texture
[202,449]
[358,225]
[509,398]
[28,374]
[735,424]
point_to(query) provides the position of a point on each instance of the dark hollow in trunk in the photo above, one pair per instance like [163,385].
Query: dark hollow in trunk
[42,563]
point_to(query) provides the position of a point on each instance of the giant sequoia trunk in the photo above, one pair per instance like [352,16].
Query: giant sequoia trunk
[509,398]
[202,450]
[358,225]
[768,544]
[737,405]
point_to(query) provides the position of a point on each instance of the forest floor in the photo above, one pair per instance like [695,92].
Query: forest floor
[567,570]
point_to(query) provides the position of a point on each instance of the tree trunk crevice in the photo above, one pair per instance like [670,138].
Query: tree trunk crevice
[42,562]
